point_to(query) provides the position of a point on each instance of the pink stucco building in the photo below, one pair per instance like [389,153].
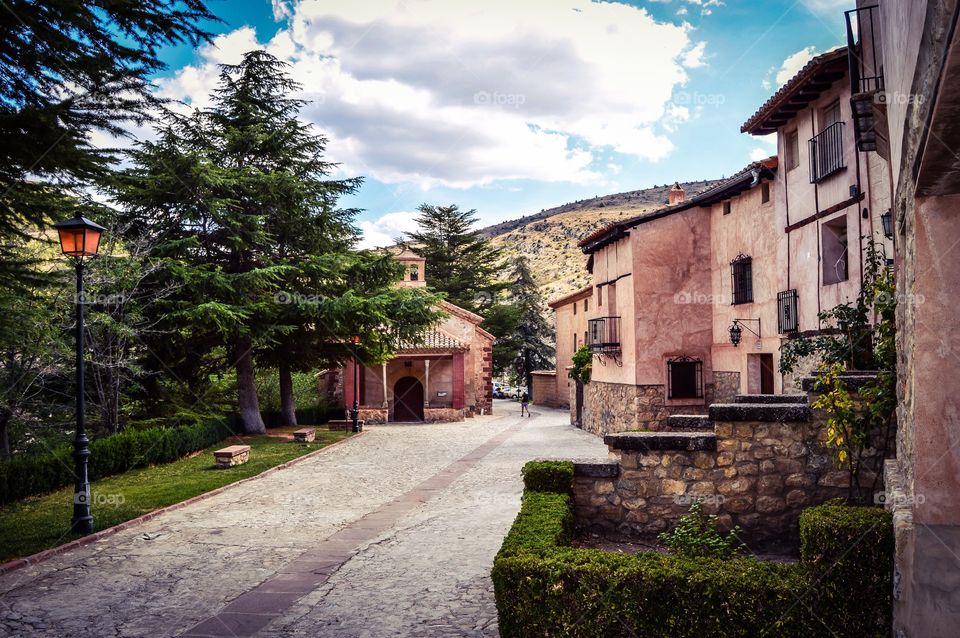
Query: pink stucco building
[760,254]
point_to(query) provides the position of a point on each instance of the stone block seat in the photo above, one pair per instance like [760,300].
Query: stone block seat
[305,435]
[232,455]
[343,425]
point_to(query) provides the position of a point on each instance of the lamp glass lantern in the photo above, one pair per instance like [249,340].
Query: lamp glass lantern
[887,220]
[79,237]
[736,334]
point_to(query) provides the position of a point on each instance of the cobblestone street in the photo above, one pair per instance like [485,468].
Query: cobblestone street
[389,534]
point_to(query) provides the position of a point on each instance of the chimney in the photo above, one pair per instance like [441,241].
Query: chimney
[677,194]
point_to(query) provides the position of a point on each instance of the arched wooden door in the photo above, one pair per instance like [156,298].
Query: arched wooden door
[408,399]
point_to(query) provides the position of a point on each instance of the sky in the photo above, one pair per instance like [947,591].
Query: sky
[512,106]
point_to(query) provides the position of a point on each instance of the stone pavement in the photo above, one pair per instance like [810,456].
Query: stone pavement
[389,534]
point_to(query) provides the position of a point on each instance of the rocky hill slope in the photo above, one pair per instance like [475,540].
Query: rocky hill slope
[549,238]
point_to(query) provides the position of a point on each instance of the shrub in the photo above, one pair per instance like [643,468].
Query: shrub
[849,551]
[697,535]
[548,476]
[21,477]
[544,587]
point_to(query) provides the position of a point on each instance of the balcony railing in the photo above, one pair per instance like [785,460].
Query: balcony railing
[603,334]
[863,49]
[826,153]
[787,318]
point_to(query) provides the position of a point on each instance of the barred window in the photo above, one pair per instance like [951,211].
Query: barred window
[742,275]
[684,378]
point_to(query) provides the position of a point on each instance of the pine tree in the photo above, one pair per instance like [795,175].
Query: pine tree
[533,336]
[66,69]
[236,201]
[461,262]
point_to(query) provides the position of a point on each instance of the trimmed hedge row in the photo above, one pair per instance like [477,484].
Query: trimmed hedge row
[544,587]
[25,476]
[548,476]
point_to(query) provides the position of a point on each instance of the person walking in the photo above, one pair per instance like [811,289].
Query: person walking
[525,404]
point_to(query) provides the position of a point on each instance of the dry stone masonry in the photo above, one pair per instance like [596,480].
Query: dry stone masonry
[756,462]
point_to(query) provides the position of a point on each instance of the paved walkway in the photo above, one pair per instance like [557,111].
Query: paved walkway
[389,534]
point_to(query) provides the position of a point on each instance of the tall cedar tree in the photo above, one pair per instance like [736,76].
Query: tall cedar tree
[67,68]
[460,261]
[532,337]
[236,204]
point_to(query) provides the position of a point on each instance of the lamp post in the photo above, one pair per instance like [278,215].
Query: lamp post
[355,412]
[79,238]
[736,330]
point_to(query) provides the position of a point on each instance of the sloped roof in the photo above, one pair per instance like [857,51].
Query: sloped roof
[433,340]
[804,87]
[736,184]
[576,295]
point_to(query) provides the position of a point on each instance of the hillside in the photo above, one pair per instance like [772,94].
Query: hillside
[549,238]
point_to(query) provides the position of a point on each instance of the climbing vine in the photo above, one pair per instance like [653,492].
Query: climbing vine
[582,365]
[863,337]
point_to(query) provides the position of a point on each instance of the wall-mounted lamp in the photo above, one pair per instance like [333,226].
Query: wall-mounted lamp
[887,220]
[736,330]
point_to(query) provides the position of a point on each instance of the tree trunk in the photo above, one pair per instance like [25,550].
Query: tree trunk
[248,404]
[5,415]
[288,405]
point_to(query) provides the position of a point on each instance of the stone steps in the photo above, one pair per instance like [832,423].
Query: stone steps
[688,423]
[661,441]
[767,412]
[771,398]
[853,379]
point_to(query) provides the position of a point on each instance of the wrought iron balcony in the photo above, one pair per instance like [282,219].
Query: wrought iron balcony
[865,61]
[603,334]
[826,153]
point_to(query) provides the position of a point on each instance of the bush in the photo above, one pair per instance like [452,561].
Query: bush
[849,551]
[697,534]
[548,476]
[25,476]
[544,587]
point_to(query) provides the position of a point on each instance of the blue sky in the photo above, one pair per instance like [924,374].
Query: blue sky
[513,106]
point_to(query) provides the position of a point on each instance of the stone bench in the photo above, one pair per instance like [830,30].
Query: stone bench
[345,425]
[232,455]
[305,435]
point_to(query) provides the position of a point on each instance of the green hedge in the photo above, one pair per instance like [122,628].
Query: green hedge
[544,587]
[548,476]
[25,476]
[850,549]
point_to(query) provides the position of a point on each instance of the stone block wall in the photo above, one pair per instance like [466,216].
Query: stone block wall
[443,415]
[726,385]
[758,468]
[618,407]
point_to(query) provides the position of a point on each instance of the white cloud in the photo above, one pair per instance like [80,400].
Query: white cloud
[792,65]
[387,229]
[758,154]
[693,59]
[465,94]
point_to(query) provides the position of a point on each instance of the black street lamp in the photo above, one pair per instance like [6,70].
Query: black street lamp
[355,412]
[79,238]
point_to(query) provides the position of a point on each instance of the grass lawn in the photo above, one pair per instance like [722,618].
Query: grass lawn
[41,522]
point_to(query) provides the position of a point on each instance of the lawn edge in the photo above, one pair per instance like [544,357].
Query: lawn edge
[39,557]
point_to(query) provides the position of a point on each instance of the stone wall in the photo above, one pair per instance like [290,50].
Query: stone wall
[758,468]
[371,415]
[618,407]
[726,385]
[443,415]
